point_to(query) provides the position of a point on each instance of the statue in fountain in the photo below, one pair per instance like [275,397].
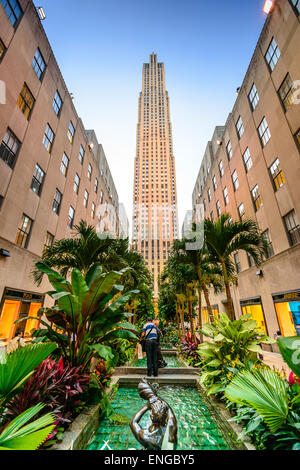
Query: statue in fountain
[162,430]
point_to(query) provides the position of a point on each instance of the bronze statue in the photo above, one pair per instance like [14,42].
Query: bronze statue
[162,418]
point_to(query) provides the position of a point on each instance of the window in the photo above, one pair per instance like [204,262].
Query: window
[71,217]
[71,132]
[218,205]
[247,160]
[296,5]
[101,197]
[241,210]
[64,165]
[86,199]
[292,227]
[272,54]
[204,204]
[37,180]
[251,262]
[9,148]
[48,138]
[239,127]
[49,240]
[221,168]
[253,97]
[38,64]
[57,104]
[93,210]
[226,197]
[256,197]
[297,138]
[237,263]
[96,185]
[266,235]
[90,171]
[277,175]
[286,92]
[212,216]
[24,232]
[13,10]
[76,183]
[209,194]
[26,101]
[57,202]
[81,154]
[215,183]
[264,132]
[229,150]
[235,180]
[2,49]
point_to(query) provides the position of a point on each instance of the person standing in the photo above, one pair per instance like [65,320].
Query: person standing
[161,362]
[150,334]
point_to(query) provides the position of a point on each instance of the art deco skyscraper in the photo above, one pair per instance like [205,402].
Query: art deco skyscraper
[155,219]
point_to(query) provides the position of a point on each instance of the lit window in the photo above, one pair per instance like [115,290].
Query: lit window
[264,132]
[86,199]
[218,205]
[9,148]
[90,171]
[229,150]
[76,183]
[49,240]
[39,64]
[48,138]
[221,168]
[26,101]
[2,49]
[57,202]
[247,160]
[71,217]
[57,103]
[253,97]
[226,197]
[64,165]
[286,92]
[266,235]
[24,232]
[81,154]
[277,175]
[292,227]
[272,54]
[256,197]
[13,10]
[235,180]
[239,127]
[37,180]
[241,210]
[71,132]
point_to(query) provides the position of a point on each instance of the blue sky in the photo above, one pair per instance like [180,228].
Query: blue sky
[206,47]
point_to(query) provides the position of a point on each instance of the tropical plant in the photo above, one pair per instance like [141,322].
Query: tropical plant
[224,238]
[23,434]
[188,348]
[290,351]
[88,314]
[232,345]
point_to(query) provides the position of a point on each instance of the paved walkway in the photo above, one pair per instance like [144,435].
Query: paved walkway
[275,360]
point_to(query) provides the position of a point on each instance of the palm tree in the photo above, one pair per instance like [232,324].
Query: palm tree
[223,239]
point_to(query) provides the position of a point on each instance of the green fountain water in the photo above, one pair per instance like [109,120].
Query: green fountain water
[172,361]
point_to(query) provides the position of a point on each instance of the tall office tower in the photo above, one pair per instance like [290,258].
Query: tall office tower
[155,220]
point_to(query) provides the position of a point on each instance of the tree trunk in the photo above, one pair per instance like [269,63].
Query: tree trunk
[230,307]
[206,296]
[177,320]
[200,313]
[190,310]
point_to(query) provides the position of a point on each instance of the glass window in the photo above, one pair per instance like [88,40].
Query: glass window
[81,154]
[13,10]
[277,175]
[237,263]
[38,64]
[209,194]
[71,217]
[239,127]
[296,5]
[2,49]
[86,199]
[286,92]
[241,210]
[256,197]
[264,132]
[71,132]
[90,171]
[229,150]
[247,160]
[288,313]
[49,240]
[250,261]
[253,97]
[235,180]
[26,101]
[272,54]
[57,202]
[9,148]
[292,227]
[24,231]
[96,185]
[48,138]
[226,197]
[215,183]
[64,165]
[57,103]
[93,210]
[221,168]
[37,180]
[218,205]
[266,235]
[101,197]
[297,138]
[257,314]
[212,216]
[76,183]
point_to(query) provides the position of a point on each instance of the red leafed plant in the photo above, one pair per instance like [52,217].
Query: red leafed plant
[103,372]
[189,347]
[55,384]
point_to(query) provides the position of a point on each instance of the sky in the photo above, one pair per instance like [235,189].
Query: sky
[206,47]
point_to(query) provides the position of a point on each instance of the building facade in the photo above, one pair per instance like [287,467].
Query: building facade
[53,172]
[251,168]
[155,219]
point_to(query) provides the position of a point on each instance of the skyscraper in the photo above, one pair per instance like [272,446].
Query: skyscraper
[155,220]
